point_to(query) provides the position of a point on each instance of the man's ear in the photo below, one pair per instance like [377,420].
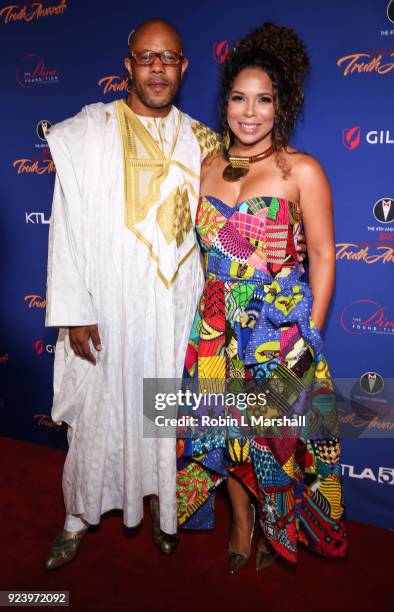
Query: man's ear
[127,63]
[185,63]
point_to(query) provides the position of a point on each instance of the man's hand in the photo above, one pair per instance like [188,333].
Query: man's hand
[79,340]
[301,248]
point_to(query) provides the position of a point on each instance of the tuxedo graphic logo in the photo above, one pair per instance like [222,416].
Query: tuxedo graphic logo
[372,383]
[220,51]
[383,210]
[351,137]
[390,11]
[42,127]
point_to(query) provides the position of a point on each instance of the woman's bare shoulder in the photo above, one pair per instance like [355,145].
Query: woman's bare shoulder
[304,165]
[210,164]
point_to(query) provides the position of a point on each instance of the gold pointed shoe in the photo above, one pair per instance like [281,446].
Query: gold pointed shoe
[64,548]
[165,542]
[264,557]
[236,560]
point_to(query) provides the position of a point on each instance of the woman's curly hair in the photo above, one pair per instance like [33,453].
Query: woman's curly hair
[282,55]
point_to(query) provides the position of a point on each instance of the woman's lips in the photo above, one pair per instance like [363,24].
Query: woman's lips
[248,128]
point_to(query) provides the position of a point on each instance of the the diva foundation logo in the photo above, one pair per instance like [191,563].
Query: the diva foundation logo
[367,317]
[31,11]
[32,70]
[379,61]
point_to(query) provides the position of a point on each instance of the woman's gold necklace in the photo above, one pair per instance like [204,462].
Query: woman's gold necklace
[239,165]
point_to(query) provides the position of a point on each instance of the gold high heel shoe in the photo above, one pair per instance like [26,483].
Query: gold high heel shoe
[64,548]
[264,558]
[165,542]
[236,560]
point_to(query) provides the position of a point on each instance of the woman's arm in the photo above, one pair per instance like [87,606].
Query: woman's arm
[316,207]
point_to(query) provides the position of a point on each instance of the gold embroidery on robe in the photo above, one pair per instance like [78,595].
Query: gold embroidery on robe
[209,141]
[174,216]
[145,168]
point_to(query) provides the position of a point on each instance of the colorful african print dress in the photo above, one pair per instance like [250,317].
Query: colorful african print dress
[253,331]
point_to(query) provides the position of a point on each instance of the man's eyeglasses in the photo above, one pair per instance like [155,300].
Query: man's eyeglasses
[169,58]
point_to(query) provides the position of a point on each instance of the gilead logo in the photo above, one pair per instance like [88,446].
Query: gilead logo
[41,348]
[352,137]
[220,51]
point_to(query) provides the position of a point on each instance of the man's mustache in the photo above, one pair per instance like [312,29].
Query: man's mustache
[157,82]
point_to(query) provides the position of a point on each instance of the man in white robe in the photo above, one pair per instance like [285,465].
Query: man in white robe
[124,278]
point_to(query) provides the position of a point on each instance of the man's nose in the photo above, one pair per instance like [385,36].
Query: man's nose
[157,65]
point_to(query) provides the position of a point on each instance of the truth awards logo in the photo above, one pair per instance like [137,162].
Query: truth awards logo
[114,83]
[35,300]
[366,252]
[33,165]
[32,70]
[220,51]
[367,316]
[31,11]
[354,136]
[378,61]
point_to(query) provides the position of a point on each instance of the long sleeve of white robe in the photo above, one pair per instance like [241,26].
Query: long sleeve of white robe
[69,301]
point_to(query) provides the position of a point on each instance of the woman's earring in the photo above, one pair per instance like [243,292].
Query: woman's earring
[226,140]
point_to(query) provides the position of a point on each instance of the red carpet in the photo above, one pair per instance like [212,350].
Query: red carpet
[121,570]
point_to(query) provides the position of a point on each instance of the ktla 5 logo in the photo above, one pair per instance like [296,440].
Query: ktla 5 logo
[37,218]
[385,475]
[351,137]
[41,348]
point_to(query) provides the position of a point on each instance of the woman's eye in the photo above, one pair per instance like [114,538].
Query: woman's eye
[266,99]
[236,98]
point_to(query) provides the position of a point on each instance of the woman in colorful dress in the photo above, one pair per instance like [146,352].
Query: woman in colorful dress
[258,322]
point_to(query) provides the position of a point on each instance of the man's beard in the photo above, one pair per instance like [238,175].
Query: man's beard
[149,101]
